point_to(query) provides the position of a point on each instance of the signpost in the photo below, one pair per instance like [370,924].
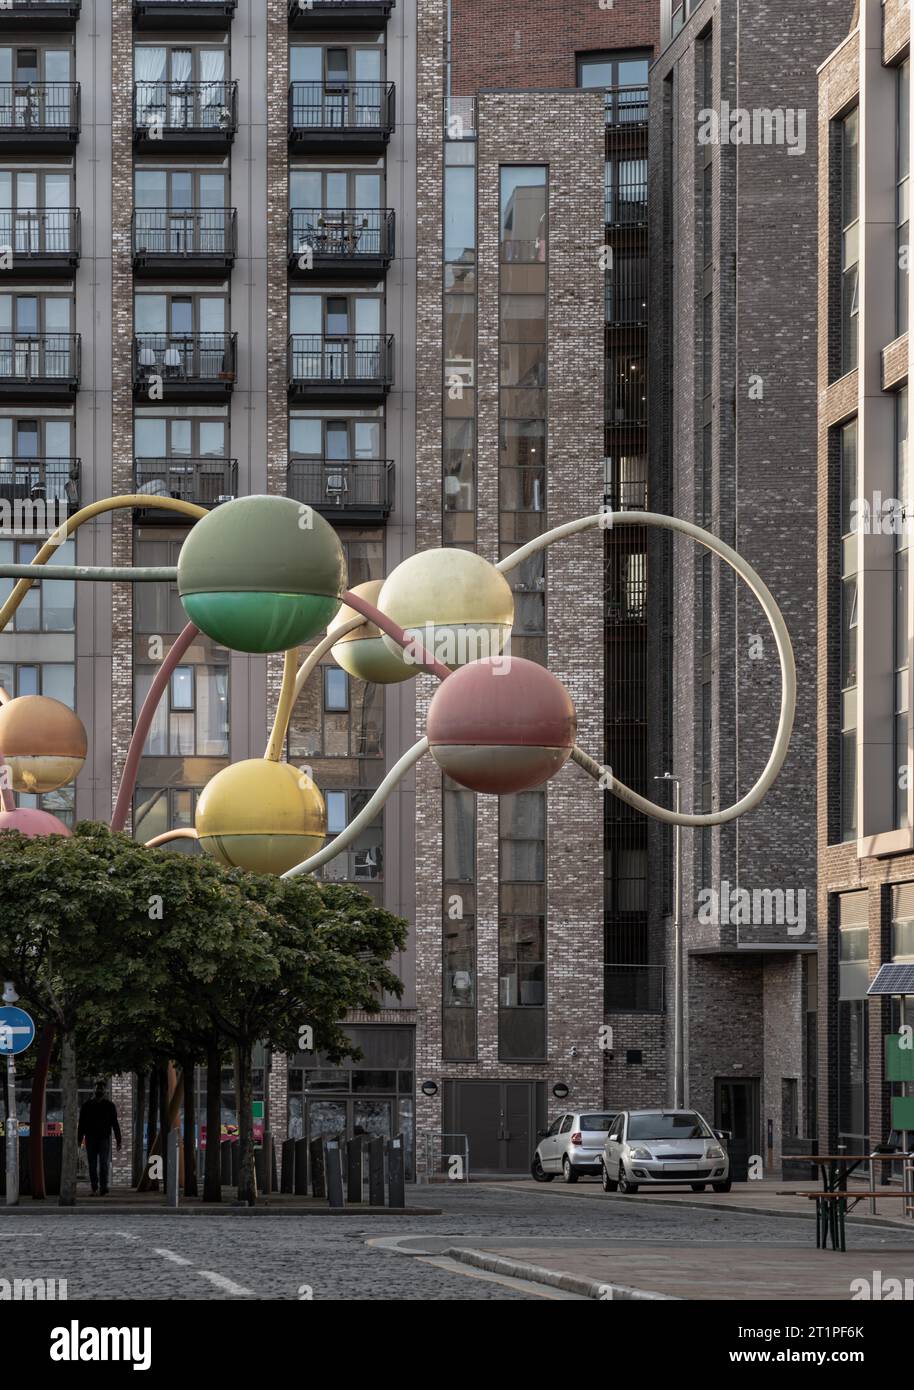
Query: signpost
[17,1032]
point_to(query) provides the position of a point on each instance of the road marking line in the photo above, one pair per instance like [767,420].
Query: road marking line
[170,1255]
[506,1280]
[222,1283]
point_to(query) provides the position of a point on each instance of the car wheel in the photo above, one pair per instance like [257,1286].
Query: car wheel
[698,1186]
[625,1185]
[568,1173]
[538,1172]
[606,1182]
[722,1186]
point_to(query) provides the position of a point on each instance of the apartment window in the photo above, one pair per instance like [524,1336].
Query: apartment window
[363,861]
[35,210]
[847,447]
[903,922]
[192,720]
[901,636]
[852,1019]
[522,927]
[180,86]
[459,923]
[336,690]
[50,604]
[850,240]
[157,809]
[180,315]
[179,436]
[622,74]
[903,127]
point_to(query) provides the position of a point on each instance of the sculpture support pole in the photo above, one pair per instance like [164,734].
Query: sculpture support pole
[143,724]
[278,736]
[108,504]
[185,832]
[608,520]
[283,708]
[365,816]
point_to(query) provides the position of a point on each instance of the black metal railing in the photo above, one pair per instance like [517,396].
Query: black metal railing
[53,232]
[625,289]
[209,107]
[329,9]
[625,203]
[204,481]
[39,107]
[633,989]
[362,358]
[625,106]
[187,232]
[27,10]
[45,480]
[348,232]
[184,356]
[38,357]
[356,484]
[341,106]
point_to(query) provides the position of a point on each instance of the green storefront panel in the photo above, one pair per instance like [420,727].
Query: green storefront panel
[899,1057]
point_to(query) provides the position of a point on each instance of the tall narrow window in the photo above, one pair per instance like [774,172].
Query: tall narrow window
[848,634]
[903,129]
[901,643]
[850,240]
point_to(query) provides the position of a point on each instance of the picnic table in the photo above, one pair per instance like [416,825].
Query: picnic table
[833,1198]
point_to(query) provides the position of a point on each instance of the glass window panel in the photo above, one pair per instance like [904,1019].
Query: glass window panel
[151,313]
[523,213]
[212,438]
[459,214]
[305,188]
[336,689]
[182,688]
[149,437]
[336,811]
[523,318]
[150,188]
[305,437]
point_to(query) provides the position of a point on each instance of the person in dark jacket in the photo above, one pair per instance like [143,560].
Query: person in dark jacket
[97,1122]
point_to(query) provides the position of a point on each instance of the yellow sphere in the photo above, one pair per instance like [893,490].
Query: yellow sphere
[42,741]
[458,605]
[363,652]
[261,816]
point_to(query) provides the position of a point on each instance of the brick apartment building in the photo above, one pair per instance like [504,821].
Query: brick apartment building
[865,844]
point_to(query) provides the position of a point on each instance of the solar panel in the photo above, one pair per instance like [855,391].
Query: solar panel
[893,979]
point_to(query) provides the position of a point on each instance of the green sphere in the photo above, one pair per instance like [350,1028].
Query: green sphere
[261,574]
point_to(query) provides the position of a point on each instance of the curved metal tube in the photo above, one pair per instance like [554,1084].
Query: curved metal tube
[608,520]
[143,724]
[107,504]
[283,708]
[428,663]
[281,728]
[184,833]
[365,816]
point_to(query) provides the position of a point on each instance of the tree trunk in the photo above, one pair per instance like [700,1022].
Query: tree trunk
[68,1086]
[152,1119]
[244,1099]
[212,1178]
[163,1124]
[139,1105]
[37,1108]
[190,1128]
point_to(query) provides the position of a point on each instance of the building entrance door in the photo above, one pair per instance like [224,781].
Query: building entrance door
[500,1120]
[736,1108]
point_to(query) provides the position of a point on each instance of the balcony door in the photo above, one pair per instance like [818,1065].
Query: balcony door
[34,88]
[34,335]
[181,87]
[35,211]
[344,85]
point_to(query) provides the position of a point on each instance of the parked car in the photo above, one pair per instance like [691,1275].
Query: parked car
[663,1147]
[573,1144]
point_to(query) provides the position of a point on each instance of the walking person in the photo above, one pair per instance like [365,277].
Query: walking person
[97,1122]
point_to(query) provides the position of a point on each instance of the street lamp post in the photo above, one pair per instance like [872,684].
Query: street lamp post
[678,1098]
[12,1119]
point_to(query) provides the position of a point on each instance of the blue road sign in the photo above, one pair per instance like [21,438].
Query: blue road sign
[17,1031]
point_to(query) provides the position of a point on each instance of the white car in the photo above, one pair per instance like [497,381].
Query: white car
[572,1145]
[662,1147]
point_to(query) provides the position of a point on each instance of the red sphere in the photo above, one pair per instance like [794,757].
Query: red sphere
[30,821]
[501,725]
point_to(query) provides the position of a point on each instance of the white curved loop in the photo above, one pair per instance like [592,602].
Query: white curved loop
[608,521]
[365,816]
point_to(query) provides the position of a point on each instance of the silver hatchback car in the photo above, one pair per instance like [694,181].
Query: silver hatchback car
[656,1147]
[572,1145]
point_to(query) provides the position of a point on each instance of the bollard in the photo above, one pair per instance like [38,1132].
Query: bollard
[300,1182]
[287,1154]
[333,1163]
[318,1181]
[396,1184]
[376,1171]
[172,1168]
[355,1165]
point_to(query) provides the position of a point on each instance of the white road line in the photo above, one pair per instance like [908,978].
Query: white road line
[126,1235]
[170,1255]
[222,1283]
[508,1281]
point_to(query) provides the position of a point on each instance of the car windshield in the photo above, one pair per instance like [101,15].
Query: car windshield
[685,1125]
[596,1122]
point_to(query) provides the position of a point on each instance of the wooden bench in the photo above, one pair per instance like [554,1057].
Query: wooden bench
[831,1210]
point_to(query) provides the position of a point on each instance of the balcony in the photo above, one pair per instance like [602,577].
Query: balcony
[354,490]
[185,117]
[38,117]
[625,108]
[339,14]
[354,369]
[175,15]
[43,242]
[43,14]
[188,241]
[340,117]
[187,367]
[633,989]
[204,481]
[39,366]
[26,481]
[340,241]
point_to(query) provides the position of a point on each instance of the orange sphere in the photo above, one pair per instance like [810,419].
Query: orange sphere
[42,741]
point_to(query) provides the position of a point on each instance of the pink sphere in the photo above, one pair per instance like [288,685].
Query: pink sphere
[30,821]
